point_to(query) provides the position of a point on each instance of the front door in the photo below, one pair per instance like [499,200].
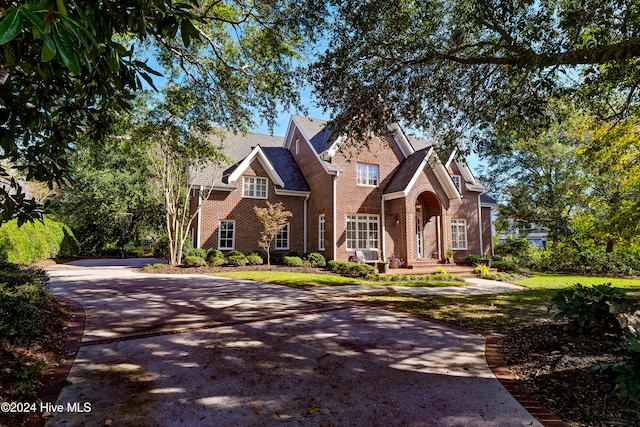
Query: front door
[419,249]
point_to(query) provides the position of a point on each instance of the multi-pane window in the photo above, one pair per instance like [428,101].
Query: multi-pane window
[282,238]
[458,234]
[226,234]
[367,174]
[362,232]
[458,182]
[255,187]
[321,232]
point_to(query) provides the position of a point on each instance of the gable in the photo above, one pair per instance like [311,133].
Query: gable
[409,171]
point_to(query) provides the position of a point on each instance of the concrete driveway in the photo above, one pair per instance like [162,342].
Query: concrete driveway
[193,350]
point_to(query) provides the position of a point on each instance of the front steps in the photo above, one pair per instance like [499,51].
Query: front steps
[429,267]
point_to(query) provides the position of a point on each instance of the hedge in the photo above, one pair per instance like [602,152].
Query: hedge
[36,241]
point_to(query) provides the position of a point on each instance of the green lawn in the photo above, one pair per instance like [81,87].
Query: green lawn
[307,280]
[557,281]
[496,313]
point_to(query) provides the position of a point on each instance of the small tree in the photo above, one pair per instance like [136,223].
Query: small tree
[273,219]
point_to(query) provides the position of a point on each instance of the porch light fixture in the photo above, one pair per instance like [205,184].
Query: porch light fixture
[397,218]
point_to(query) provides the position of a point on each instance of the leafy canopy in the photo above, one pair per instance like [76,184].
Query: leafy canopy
[482,70]
[67,65]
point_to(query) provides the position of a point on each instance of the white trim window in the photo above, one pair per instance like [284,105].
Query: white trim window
[226,234]
[368,174]
[362,232]
[254,187]
[321,232]
[457,180]
[458,234]
[282,238]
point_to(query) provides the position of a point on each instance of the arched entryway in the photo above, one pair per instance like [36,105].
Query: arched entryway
[428,227]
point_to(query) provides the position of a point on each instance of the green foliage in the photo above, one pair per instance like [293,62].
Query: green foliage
[191,251]
[481,269]
[471,260]
[628,379]
[67,66]
[113,178]
[592,309]
[36,241]
[236,258]
[23,293]
[254,259]
[293,261]
[484,80]
[273,219]
[350,269]
[151,267]
[440,271]
[194,261]
[316,259]
[214,253]
[508,266]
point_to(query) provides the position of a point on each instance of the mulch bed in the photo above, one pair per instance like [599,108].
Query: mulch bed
[556,367]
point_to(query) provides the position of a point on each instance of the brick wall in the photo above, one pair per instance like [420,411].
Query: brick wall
[321,200]
[230,205]
[466,208]
[352,198]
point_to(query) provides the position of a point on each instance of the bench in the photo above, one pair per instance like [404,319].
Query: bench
[369,256]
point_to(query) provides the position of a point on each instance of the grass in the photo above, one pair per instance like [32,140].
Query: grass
[496,313]
[309,280]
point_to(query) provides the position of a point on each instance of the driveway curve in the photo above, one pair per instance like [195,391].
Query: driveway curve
[193,350]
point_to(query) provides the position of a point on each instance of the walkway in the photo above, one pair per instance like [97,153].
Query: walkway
[193,350]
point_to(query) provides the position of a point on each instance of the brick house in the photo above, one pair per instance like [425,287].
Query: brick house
[395,198]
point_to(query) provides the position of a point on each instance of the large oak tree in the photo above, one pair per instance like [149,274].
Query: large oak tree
[66,65]
[477,70]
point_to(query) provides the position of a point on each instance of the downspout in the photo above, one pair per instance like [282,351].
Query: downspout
[306,199]
[199,217]
[335,219]
[480,224]
[383,231]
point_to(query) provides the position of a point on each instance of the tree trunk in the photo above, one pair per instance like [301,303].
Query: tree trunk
[610,244]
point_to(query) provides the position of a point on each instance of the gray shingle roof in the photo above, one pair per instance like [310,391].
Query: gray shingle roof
[238,146]
[405,172]
[485,198]
[320,136]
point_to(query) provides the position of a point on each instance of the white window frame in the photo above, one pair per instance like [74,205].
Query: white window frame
[250,187]
[459,241]
[281,242]
[226,238]
[297,146]
[457,180]
[322,223]
[363,231]
[368,175]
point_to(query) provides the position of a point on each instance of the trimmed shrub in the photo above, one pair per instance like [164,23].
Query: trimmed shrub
[293,261]
[215,257]
[36,241]
[254,259]
[593,309]
[510,267]
[189,251]
[194,261]
[471,260]
[350,269]
[316,259]
[236,258]
[214,253]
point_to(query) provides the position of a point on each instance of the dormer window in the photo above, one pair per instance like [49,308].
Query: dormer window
[254,187]
[457,180]
[367,174]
